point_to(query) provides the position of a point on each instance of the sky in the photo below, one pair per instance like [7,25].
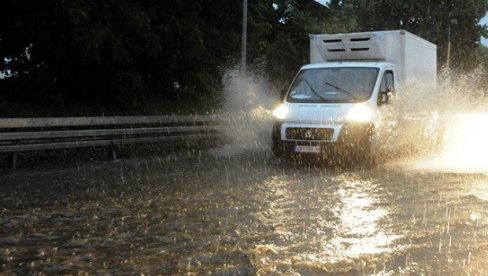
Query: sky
[484,20]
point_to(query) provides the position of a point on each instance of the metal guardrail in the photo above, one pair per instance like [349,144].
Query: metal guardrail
[32,134]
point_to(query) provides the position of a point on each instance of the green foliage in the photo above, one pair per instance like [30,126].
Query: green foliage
[432,20]
[144,56]
[279,29]
[115,56]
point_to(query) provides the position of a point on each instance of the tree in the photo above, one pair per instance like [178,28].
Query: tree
[279,29]
[115,56]
[146,56]
[430,19]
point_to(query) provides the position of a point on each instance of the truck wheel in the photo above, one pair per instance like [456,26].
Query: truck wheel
[277,145]
[363,152]
[277,149]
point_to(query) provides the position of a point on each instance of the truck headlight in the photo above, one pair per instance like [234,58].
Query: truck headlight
[280,112]
[360,113]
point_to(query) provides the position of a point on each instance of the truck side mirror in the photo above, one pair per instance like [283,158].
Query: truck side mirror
[385,97]
[389,88]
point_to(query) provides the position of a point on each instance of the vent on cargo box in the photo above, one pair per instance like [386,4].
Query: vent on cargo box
[341,47]
[332,40]
[360,39]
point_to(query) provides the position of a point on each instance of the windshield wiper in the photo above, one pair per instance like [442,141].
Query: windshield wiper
[315,92]
[351,95]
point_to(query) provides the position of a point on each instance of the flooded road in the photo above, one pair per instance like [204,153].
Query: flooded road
[241,212]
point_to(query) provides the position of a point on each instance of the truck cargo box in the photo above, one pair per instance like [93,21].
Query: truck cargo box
[414,58]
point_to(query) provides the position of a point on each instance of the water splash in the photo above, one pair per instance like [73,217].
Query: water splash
[422,127]
[441,130]
[248,102]
[465,147]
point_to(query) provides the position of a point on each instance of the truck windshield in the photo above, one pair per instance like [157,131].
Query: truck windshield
[333,85]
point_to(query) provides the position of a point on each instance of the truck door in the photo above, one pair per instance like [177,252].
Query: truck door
[387,88]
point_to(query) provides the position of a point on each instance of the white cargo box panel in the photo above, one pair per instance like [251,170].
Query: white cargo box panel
[352,46]
[414,57]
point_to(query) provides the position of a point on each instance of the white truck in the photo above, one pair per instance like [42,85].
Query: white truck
[332,107]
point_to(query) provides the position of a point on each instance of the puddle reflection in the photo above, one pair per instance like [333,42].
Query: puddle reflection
[359,232]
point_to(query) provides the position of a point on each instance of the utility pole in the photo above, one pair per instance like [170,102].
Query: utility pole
[244,37]
[451,22]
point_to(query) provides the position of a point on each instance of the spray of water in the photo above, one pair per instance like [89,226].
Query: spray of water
[437,129]
[442,129]
[248,103]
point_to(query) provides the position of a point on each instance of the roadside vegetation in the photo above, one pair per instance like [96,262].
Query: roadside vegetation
[87,57]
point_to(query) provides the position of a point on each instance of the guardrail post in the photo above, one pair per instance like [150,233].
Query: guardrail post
[114,154]
[13,160]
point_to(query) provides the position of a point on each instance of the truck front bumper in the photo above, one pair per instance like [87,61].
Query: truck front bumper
[343,139]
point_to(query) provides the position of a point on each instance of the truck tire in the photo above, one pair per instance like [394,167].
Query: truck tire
[276,143]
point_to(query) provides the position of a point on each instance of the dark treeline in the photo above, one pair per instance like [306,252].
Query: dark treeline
[88,57]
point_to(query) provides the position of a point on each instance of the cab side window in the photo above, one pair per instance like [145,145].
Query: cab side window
[387,88]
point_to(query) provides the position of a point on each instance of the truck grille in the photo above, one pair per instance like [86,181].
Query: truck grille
[309,133]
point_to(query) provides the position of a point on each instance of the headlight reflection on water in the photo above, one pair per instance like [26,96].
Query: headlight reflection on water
[360,232]
[329,228]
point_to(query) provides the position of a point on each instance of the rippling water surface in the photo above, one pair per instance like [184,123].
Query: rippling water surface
[241,213]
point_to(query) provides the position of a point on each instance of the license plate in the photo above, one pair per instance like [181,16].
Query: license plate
[307,149]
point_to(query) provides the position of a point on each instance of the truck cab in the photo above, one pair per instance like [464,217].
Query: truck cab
[332,107]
